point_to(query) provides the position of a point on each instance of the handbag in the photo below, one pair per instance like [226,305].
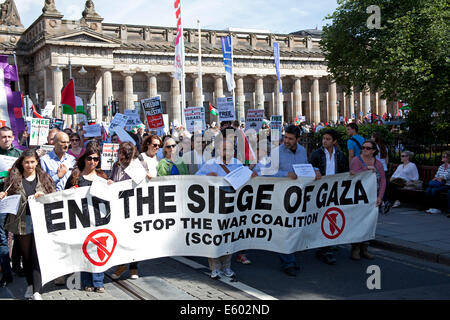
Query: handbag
[399,182]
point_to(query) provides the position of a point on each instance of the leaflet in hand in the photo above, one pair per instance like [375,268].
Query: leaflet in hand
[237,178]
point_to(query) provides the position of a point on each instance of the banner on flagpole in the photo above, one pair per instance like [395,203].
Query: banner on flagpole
[227,51]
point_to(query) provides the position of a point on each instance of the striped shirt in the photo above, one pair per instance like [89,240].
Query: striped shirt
[444,173]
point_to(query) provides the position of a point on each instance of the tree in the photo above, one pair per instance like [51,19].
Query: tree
[406,58]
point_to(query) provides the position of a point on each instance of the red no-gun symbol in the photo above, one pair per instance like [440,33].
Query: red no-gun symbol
[335,219]
[105,242]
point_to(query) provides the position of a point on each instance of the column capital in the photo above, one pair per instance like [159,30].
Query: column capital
[258,76]
[127,73]
[152,74]
[218,75]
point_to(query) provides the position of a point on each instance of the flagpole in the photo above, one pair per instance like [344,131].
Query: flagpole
[200,77]
[183,76]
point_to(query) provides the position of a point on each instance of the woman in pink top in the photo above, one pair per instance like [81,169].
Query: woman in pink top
[76,146]
[367,161]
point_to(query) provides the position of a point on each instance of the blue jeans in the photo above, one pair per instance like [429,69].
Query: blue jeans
[432,192]
[287,261]
[4,251]
[89,279]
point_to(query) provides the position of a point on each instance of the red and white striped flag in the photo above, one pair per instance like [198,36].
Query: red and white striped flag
[179,43]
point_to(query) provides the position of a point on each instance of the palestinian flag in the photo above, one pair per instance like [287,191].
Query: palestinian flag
[245,152]
[213,110]
[69,102]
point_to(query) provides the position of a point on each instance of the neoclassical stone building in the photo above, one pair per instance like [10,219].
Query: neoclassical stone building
[128,63]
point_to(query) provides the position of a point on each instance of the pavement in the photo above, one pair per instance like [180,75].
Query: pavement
[406,230]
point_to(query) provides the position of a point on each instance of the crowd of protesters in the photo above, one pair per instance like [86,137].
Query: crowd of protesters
[76,162]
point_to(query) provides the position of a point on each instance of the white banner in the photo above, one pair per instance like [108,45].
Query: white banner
[75,231]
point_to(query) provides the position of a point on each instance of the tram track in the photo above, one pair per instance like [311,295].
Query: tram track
[131,289]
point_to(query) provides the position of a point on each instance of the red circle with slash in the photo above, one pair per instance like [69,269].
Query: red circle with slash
[336,229]
[99,238]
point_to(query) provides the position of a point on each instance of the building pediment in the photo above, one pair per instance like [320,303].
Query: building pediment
[83,37]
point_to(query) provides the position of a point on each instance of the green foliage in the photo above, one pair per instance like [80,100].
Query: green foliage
[407,58]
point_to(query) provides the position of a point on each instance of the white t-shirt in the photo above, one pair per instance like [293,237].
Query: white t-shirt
[330,167]
[152,163]
[382,160]
[408,172]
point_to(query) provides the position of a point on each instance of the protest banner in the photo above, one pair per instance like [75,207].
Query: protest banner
[195,119]
[153,113]
[6,162]
[76,231]
[109,155]
[39,131]
[225,107]
[254,119]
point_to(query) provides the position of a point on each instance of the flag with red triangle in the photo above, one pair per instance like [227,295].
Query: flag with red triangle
[245,152]
[213,110]
[35,113]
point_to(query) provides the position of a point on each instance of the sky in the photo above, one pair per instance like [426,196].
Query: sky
[276,16]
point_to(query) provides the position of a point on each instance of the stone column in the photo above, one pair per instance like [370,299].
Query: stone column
[196,94]
[218,87]
[382,105]
[351,104]
[315,116]
[175,110]
[297,90]
[366,101]
[107,86]
[128,90]
[57,79]
[240,97]
[259,88]
[152,89]
[98,96]
[333,116]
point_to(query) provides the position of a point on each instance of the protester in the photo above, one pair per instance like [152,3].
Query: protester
[282,158]
[406,174]
[194,158]
[7,149]
[329,160]
[150,147]
[171,164]
[87,170]
[354,142]
[27,179]
[440,182]
[137,133]
[224,163]
[58,164]
[127,152]
[367,161]
[76,146]
[51,136]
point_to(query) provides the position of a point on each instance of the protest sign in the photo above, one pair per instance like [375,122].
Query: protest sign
[119,121]
[123,135]
[195,119]
[254,120]
[153,113]
[47,112]
[109,155]
[93,131]
[56,123]
[10,204]
[133,119]
[39,131]
[225,106]
[6,162]
[205,217]
[46,148]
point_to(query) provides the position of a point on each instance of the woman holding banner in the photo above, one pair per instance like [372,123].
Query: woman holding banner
[127,152]
[88,169]
[150,148]
[27,179]
[171,165]
[367,161]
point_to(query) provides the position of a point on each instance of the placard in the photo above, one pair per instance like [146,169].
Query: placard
[225,107]
[39,131]
[92,131]
[254,120]
[153,113]
[109,155]
[195,119]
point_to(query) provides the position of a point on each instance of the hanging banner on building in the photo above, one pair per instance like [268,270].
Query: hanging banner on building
[153,113]
[195,119]
[227,52]
[75,231]
[276,54]
[225,108]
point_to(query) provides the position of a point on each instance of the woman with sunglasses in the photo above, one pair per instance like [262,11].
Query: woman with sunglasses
[76,146]
[440,182]
[27,179]
[150,148]
[367,161]
[171,164]
[406,174]
[88,168]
